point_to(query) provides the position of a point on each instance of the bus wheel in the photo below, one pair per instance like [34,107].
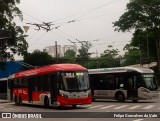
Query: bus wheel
[120,97]
[74,106]
[15,100]
[46,103]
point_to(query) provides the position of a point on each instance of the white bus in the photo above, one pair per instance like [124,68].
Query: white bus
[123,83]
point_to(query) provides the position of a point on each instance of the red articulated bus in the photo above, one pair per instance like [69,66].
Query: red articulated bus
[52,85]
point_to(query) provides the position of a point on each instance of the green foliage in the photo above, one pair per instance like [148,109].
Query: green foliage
[93,63]
[11,36]
[142,16]
[84,55]
[70,55]
[132,55]
[83,51]
[109,58]
[146,42]
[39,58]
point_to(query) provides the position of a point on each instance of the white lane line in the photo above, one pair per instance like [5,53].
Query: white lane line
[123,106]
[138,119]
[134,107]
[5,109]
[148,107]
[13,109]
[96,106]
[86,106]
[107,107]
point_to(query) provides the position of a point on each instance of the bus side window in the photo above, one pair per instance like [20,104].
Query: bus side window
[15,83]
[25,82]
[36,84]
[117,83]
[110,82]
[20,84]
[46,82]
[130,84]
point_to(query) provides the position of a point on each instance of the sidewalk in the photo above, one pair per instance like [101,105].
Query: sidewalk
[4,101]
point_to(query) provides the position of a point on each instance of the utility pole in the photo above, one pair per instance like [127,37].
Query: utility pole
[140,55]
[147,45]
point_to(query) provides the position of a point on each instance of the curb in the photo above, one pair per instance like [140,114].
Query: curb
[4,101]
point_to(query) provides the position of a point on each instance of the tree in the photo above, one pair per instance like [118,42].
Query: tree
[70,55]
[84,54]
[12,40]
[83,51]
[146,42]
[39,58]
[142,15]
[132,55]
[109,58]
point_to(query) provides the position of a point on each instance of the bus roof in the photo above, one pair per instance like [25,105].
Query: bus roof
[120,70]
[48,69]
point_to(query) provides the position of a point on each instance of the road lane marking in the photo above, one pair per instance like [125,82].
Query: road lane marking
[86,106]
[96,106]
[134,107]
[148,107]
[15,109]
[123,106]
[6,109]
[107,107]
[138,119]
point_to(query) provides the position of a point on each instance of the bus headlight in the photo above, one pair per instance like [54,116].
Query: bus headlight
[145,90]
[89,94]
[63,95]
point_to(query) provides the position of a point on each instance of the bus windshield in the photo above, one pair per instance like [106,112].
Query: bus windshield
[75,81]
[150,82]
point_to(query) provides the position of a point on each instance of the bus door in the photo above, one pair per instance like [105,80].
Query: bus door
[131,86]
[53,87]
[10,90]
[30,89]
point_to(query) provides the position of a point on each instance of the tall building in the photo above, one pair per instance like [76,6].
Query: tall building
[51,50]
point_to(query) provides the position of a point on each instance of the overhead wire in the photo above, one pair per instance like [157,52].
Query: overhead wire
[85,12]
[72,20]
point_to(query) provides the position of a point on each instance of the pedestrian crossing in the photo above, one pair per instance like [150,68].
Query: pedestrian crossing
[93,106]
[148,107]
[123,106]
[120,107]
[105,107]
[134,107]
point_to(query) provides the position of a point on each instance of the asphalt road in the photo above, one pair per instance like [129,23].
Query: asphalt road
[99,110]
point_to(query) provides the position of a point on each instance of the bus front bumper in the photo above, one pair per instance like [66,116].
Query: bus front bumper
[150,95]
[73,101]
